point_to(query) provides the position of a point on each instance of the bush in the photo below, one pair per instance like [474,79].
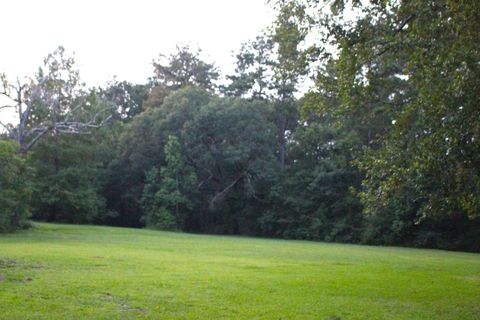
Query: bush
[15,189]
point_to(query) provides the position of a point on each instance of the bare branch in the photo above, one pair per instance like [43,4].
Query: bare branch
[6,127]
[8,95]
[94,118]
[205,181]
[73,132]
[77,127]
[34,130]
[106,120]
[6,106]
[220,195]
[24,149]
[71,112]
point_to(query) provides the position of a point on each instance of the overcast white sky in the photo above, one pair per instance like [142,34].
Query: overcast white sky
[123,37]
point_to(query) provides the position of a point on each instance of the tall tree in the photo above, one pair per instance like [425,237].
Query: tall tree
[230,142]
[166,193]
[185,68]
[314,200]
[252,78]
[272,66]
[291,64]
[415,64]
[181,69]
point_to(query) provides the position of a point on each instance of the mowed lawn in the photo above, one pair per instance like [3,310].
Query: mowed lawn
[88,272]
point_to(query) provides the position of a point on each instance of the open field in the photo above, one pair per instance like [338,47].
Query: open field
[85,272]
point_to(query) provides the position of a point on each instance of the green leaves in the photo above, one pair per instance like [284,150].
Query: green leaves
[15,188]
[166,193]
[406,80]
[185,68]
[69,176]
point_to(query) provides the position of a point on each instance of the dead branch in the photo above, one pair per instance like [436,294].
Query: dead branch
[9,130]
[220,195]
[25,148]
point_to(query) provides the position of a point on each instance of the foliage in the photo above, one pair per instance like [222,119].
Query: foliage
[15,188]
[141,147]
[252,77]
[437,131]
[69,175]
[230,143]
[184,68]
[271,68]
[406,80]
[128,98]
[165,195]
[227,141]
[314,200]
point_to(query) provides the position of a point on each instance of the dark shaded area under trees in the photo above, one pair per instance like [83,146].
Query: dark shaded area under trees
[384,149]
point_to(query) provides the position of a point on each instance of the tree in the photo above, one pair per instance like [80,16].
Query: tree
[165,196]
[314,198]
[410,68]
[69,174]
[431,128]
[141,147]
[15,189]
[127,97]
[52,102]
[184,68]
[438,129]
[272,66]
[230,142]
[252,79]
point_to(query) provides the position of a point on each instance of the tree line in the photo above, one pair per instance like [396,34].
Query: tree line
[382,149]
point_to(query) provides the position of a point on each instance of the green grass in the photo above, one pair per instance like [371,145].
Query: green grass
[86,272]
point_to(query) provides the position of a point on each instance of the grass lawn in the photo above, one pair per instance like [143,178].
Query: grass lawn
[89,272]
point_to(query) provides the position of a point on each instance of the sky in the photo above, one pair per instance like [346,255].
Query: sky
[121,38]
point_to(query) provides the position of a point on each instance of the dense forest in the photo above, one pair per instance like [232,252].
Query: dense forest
[382,148]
